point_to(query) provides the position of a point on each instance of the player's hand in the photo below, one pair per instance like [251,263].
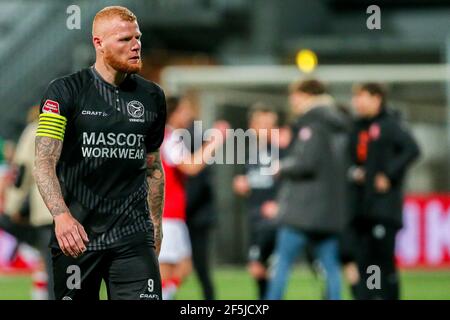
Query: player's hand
[17,218]
[285,137]
[269,209]
[222,126]
[382,183]
[351,273]
[70,234]
[358,175]
[11,176]
[241,185]
[257,270]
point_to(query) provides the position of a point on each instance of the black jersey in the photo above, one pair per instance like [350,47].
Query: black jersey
[263,186]
[106,132]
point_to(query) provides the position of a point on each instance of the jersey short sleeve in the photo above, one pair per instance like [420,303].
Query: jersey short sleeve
[55,109]
[155,135]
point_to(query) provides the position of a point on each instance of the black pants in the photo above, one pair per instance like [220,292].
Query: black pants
[262,245]
[376,249]
[200,258]
[130,271]
[262,242]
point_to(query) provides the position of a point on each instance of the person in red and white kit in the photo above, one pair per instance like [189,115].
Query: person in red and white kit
[178,162]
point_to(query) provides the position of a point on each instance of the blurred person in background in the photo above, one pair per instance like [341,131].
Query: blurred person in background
[4,256]
[7,150]
[311,206]
[201,217]
[3,169]
[8,244]
[381,152]
[26,209]
[347,238]
[259,190]
[2,157]
[175,259]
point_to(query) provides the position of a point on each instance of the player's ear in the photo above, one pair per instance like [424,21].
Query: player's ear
[98,43]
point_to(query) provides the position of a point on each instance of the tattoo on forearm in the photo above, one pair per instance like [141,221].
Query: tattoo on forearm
[48,151]
[155,178]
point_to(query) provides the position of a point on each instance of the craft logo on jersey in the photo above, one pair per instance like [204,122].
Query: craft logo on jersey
[50,106]
[94,113]
[135,110]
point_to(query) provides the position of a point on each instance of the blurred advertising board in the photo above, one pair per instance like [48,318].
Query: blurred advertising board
[424,240]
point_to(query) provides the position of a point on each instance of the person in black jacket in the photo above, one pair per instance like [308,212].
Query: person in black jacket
[381,152]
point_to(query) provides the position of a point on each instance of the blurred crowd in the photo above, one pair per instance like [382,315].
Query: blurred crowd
[335,197]
[25,215]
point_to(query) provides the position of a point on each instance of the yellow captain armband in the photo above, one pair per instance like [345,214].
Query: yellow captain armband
[51,125]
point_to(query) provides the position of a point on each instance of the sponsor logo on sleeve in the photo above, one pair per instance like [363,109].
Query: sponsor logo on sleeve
[50,106]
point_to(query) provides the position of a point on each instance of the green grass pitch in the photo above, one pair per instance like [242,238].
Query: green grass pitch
[235,283]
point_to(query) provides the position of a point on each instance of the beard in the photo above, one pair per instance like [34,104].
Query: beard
[122,66]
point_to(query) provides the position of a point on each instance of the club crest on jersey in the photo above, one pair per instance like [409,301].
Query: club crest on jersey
[374,131]
[135,109]
[50,106]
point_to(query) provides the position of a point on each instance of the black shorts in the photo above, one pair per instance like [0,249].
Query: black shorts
[262,243]
[130,272]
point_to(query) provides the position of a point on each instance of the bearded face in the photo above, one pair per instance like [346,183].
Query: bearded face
[122,62]
[120,44]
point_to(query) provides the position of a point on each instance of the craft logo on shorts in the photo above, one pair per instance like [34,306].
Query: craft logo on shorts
[50,106]
[150,288]
[135,110]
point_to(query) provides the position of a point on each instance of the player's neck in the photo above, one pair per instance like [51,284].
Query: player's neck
[172,125]
[109,74]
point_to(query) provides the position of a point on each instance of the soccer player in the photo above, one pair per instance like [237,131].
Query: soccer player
[176,252]
[99,171]
[260,191]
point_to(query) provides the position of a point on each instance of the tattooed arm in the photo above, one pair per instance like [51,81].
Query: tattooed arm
[48,151]
[155,178]
[69,232]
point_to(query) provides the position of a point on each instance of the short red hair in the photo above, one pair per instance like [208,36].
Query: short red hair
[114,11]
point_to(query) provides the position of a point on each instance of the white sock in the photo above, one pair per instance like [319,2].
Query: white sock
[39,290]
[168,292]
